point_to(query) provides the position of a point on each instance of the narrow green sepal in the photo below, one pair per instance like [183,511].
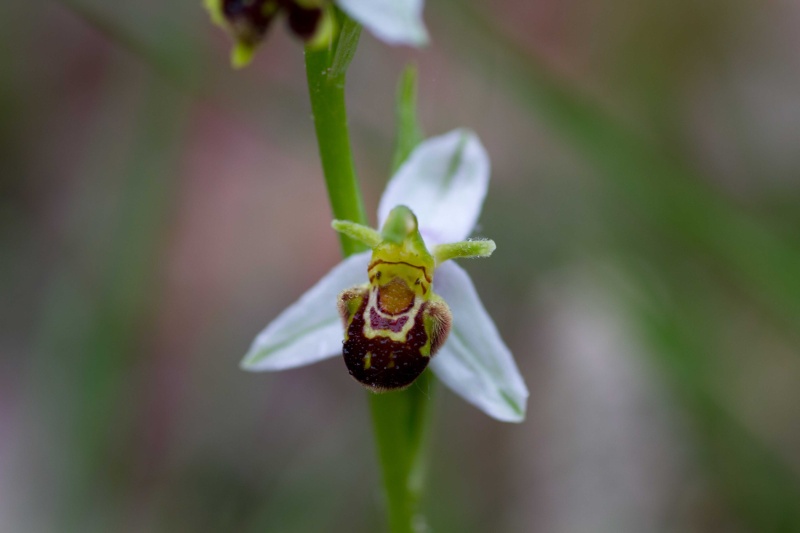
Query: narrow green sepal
[358,232]
[214,8]
[463,249]
[400,224]
[242,54]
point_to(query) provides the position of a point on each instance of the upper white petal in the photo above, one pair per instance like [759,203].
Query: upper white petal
[474,361]
[444,182]
[310,329]
[392,21]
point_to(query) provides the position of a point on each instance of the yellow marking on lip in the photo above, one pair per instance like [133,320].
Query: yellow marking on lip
[395,297]
[377,262]
[367,360]
[399,336]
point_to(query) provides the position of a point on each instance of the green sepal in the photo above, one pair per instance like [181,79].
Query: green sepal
[463,250]
[358,232]
[214,8]
[242,54]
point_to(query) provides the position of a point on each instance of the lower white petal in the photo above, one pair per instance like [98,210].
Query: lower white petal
[310,329]
[475,362]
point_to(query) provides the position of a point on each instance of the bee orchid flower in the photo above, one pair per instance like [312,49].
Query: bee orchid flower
[405,304]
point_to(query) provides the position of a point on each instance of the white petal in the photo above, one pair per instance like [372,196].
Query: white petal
[310,329]
[444,182]
[392,21]
[475,362]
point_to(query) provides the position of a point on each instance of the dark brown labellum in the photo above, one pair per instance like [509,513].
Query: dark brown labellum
[381,363]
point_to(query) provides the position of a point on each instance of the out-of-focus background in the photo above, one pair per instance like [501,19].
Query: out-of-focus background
[157,209]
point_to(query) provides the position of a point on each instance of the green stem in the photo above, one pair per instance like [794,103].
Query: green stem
[399,421]
[326,88]
[399,418]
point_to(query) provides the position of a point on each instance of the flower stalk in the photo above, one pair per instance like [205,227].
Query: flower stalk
[326,70]
[399,421]
[398,418]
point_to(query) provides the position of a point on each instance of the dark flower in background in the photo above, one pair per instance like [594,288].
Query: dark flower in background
[249,20]
[315,22]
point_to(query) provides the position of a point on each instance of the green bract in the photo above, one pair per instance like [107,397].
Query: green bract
[405,294]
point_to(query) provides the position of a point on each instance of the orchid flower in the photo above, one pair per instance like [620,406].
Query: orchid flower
[431,203]
[392,21]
